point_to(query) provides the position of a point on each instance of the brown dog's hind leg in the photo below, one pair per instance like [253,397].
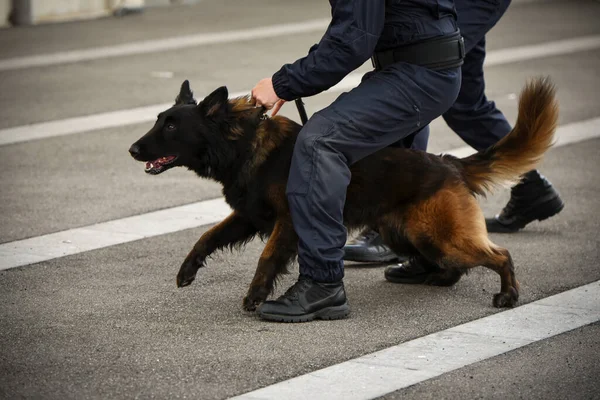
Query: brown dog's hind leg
[232,230]
[449,229]
[280,250]
[501,262]
[494,258]
[487,254]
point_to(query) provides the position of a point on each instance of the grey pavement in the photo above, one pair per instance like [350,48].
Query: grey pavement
[110,323]
[157,23]
[548,369]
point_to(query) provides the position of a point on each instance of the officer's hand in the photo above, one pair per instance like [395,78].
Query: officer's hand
[264,94]
[277,107]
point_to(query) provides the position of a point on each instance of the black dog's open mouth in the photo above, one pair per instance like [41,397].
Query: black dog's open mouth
[160,165]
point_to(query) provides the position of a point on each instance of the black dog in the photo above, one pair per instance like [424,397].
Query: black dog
[420,203]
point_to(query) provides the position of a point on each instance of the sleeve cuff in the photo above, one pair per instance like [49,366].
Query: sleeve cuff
[281,85]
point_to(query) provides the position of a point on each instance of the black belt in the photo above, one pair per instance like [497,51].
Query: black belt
[437,53]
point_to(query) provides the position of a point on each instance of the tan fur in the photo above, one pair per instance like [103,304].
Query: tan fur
[246,109]
[523,148]
[200,246]
[269,136]
[242,104]
[453,222]
[278,199]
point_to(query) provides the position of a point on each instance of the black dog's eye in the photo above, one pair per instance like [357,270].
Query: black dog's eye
[170,127]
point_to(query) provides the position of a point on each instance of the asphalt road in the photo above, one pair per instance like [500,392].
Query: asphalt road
[110,323]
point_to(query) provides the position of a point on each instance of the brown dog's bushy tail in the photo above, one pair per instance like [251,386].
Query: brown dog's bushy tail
[523,148]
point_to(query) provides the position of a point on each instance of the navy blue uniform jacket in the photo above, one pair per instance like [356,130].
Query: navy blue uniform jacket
[357,29]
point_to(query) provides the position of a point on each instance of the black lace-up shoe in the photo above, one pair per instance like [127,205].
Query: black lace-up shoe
[368,247]
[533,198]
[417,270]
[307,300]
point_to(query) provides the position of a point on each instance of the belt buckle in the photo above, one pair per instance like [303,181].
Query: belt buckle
[461,47]
[374,62]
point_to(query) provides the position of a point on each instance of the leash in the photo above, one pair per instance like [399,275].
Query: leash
[301,110]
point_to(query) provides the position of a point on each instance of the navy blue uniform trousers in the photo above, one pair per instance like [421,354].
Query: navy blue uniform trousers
[473,117]
[387,106]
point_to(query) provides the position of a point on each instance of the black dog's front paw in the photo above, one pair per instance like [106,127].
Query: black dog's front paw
[250,304]
[187,273]
[255,296]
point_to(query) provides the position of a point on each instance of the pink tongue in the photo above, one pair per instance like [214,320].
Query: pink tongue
[158,162]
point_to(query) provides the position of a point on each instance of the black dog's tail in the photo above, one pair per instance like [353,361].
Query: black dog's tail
[523,148]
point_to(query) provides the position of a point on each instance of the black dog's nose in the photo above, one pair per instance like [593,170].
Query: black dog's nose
[134,150]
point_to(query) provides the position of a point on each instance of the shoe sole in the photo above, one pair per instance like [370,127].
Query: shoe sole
[547,210]
[554,208]
[329,313]
[408,281]
[374,258]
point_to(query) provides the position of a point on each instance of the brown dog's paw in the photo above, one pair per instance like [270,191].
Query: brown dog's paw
[506,299]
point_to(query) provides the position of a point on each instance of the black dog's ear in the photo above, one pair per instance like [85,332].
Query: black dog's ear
[185,95]
[214,103]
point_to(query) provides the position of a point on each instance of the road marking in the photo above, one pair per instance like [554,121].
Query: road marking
[97,236]
[148,113]
[169,44]
[88,123]
[559,47]
[79,240]
[424,358]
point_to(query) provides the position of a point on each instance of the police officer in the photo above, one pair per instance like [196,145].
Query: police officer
[480,124]
[418,51]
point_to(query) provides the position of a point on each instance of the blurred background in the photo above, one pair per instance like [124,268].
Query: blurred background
[30,12]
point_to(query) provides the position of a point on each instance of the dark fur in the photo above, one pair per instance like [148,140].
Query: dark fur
[419,202]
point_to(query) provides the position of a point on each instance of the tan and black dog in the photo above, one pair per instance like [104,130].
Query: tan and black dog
[419,202]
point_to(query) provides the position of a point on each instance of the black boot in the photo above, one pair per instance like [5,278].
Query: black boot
[368,247]
[533,198]
[417,270]
[307,300]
